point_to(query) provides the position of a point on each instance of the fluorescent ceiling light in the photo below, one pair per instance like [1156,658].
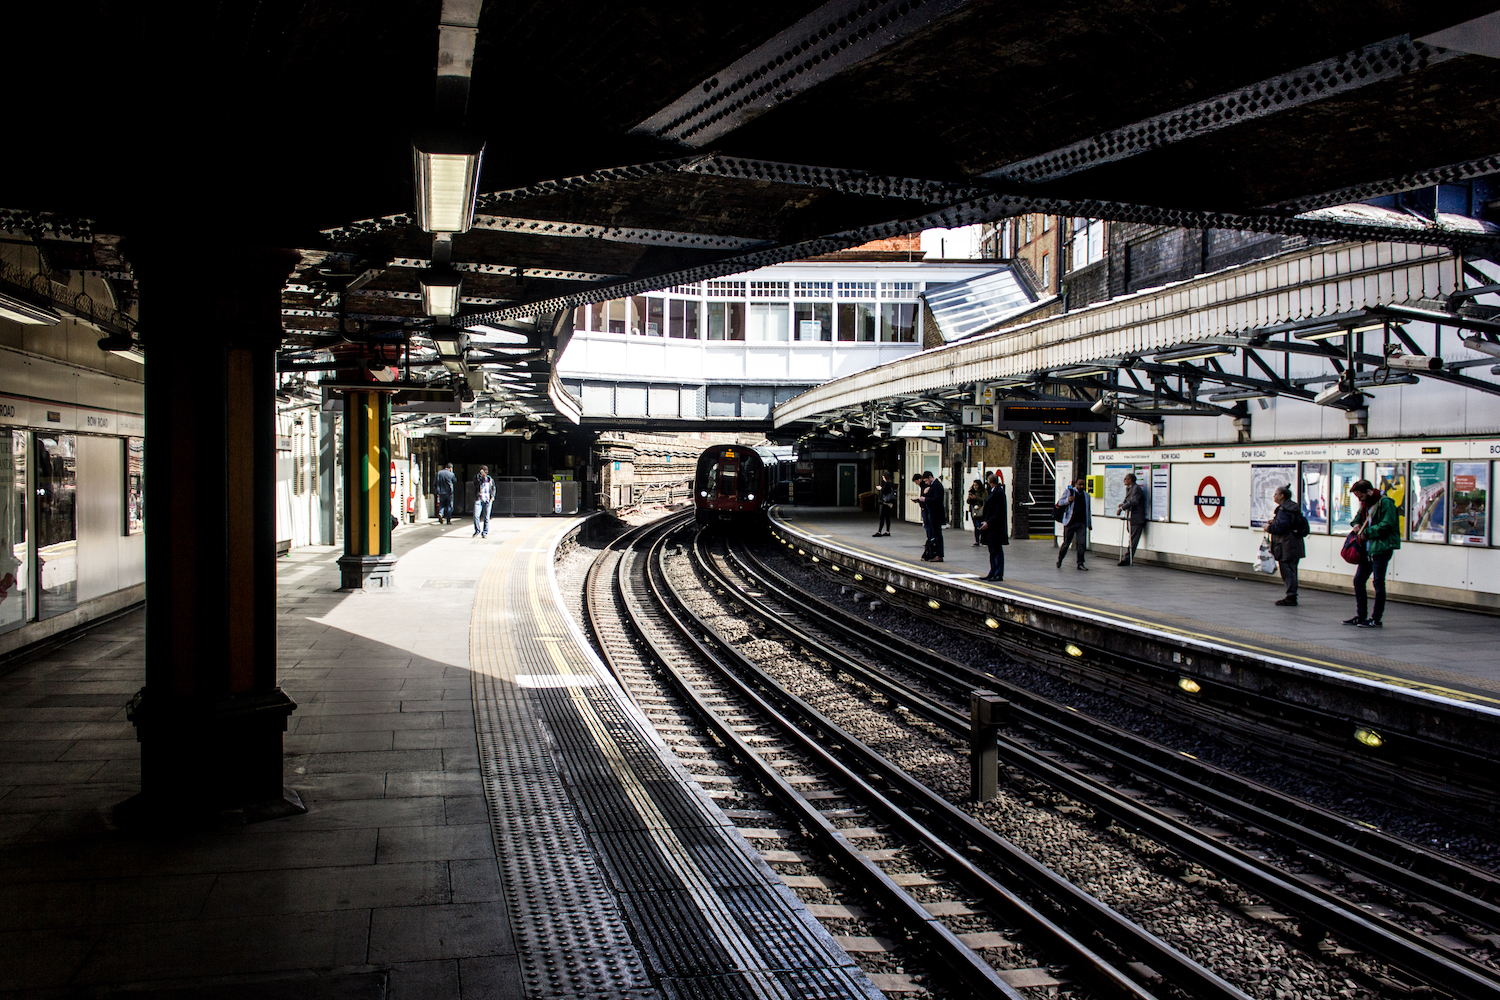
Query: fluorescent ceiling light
[447,182]
[1321,333]
[1193,353]
[450,344]
[1226,397]
[1084,373]
[122,346]
[440,288]
[1482,346]
[25,312]
[482,334]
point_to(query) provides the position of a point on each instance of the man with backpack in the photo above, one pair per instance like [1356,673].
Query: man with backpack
[1287,529]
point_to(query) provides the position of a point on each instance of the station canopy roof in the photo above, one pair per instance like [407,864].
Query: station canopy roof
[636,146]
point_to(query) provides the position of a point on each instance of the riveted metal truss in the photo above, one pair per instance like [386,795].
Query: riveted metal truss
[511,270]
[1369,64]
[821,45]
[615,234]
[1453,173]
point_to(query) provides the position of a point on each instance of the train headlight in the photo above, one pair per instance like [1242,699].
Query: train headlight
[703,493]
[749,496]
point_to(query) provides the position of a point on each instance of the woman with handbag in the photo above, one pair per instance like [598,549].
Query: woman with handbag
[977,495]
[1378,526]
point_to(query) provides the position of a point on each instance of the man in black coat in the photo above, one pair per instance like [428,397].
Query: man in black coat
[935,503]
[995,527]
[1134,508]
[1286,542]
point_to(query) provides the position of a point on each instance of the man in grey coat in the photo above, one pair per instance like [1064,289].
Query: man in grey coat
[1286,530]
[1134,509]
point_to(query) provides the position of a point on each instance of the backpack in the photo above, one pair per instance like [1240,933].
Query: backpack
[1060,509]
[1300,526]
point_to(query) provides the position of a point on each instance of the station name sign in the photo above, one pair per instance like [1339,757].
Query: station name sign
[1060,415]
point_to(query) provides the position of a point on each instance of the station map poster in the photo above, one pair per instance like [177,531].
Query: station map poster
[1429,503]
[1390,479]
[1341,503]
[1161,492]
[1469,504]
[1114,486]
[1315,496]
[1264,482]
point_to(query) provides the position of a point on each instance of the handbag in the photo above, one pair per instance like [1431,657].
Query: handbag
[1354,549]
[1265,562]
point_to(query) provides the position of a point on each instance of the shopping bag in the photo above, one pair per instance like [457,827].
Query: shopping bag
[1265,562]
[1354,549]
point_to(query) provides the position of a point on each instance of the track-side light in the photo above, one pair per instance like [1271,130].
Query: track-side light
[934,605]
[1072,650]
[991,623]
[1482,346]
[1189,685]
[889,589]
[1369,738]
[440,288]
[447,182]
[859,576]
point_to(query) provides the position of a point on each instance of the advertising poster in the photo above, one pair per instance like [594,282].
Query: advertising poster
[1161,492]
[1469,508]
[1264,481]
[1429,501]
[1064,480]
[135,485]
[1390,479]
[1314,496]
[1341,503]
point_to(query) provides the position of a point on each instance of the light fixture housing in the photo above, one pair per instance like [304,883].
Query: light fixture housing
[1482,346]
[122,345]
[1331,332]
[446,171]
[450,343]
[440,288]
[18,309]
[1415,362]
[1199,352]
[1335,393]
[1238,394]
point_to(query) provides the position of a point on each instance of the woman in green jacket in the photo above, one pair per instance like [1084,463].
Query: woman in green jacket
[1379,524]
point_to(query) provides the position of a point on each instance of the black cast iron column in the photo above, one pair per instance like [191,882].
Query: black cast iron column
[210,718]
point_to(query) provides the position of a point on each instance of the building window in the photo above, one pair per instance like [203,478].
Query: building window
[898,322]
[857,321]
[656,319]
[813,320]
[693,289]
[768,289]
[682,318]
[813,289]
[898,289]
[726,289]
[856,289]
[1046,223]
[636,318]
[1046,270]
[726,320]
[1086,242]
[768,321]
[1030,233]
[614,316]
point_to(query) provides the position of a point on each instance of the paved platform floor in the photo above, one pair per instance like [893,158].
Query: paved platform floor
[430,863]
[1436,649]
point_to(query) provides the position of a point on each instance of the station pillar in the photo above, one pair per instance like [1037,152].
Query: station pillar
[211,715]
[367,561]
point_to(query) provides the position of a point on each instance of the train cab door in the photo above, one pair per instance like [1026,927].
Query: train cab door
[848,485]
[729,474]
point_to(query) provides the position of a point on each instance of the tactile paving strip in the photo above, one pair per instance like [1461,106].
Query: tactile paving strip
[623,879]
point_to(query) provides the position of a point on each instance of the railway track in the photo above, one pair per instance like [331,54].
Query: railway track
[1453,896]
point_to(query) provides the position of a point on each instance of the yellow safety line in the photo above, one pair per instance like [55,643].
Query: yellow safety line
[1335,666]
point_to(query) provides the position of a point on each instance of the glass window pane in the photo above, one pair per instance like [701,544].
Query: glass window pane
[674,317]
[898,323]
[716,321]
[813,321]
[596,316]
[691,321]
[56,524]
[13,548]
[735,319]
[636,320]
[656,321]
[615,315]
[857,321]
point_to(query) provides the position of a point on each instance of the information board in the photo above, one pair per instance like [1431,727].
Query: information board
[1161,492]
[1469,509]
[1265,480]
[1051,415]
[1341,503]
[1390,479]
[1429,501]
[1315,496]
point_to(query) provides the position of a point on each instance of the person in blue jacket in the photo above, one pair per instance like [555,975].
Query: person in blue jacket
[1077,520]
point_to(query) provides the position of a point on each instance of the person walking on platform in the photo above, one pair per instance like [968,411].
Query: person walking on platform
[446,481]
[886,502]
[484,495]
[1077,520]
[1287,529]
[975,502]
[994,524]
[1379,527]
[1134,509]
[934,502]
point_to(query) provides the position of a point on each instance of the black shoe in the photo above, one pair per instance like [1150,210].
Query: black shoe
[1059,564]
[1356,620]
[876,535]
[1371,623]
[1083,567]
[1122,563]
[1287,602]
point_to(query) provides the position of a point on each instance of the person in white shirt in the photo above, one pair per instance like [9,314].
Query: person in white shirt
[484,495]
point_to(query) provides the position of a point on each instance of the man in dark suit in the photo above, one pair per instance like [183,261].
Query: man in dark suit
[995,527]
[934,502]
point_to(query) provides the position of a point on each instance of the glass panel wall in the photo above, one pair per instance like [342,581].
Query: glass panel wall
[56,524]
[14,554]
[768,321]
[813,320]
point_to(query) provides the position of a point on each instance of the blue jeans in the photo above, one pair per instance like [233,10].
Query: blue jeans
[481,517]
[445,508]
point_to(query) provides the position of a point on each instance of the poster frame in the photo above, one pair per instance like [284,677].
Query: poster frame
[1481,469]
[1163,511]
[1317,524]
[1261,478]
[1341,504]
[1440,536]
[1379,477]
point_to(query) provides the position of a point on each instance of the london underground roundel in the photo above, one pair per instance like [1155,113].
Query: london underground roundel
[1209,504]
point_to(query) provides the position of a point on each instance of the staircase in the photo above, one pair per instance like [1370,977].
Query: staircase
[1043,477]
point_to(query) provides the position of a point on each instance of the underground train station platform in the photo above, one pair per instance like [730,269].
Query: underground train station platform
[488,815]
[1426,651]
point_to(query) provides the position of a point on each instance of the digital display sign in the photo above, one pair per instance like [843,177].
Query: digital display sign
[1058,415]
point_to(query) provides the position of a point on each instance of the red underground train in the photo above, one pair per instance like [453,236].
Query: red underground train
[736,483]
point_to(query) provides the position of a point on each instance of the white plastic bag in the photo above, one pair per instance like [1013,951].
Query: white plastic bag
[1265,562]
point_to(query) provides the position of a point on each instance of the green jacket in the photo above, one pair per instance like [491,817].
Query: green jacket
[1383,536]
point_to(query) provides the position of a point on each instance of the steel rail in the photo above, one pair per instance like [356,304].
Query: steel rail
[1390,941]
[958,957]
[1417,870]
[1161,956]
